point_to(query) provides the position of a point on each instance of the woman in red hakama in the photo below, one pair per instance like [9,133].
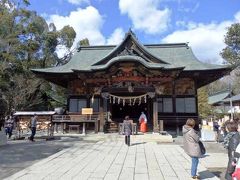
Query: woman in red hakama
[143,123]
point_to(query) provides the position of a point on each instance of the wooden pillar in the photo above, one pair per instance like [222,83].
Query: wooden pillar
[161,128]
[101,116]
[196,102]
[83,129]
[155,116]
[174,107]
[96,125]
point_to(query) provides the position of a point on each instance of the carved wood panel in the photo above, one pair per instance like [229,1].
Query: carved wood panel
[164,88]
[77,87]
[185,86]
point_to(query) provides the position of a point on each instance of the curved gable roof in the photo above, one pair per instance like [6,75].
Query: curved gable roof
[162,56]
[131,46]
[128,58]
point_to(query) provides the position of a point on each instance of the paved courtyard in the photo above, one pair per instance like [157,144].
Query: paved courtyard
[111,159]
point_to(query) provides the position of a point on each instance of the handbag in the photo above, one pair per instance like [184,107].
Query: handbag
[202,148]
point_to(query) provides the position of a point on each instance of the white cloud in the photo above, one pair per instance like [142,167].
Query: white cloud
[116,37]
[145,15]
[78,2]
[237,16]
[206,40]
[86,22]
[192,9]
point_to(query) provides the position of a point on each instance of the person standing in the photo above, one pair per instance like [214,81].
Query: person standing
[236,159]
[231,142]
[127,130]
[9,126]
[191,145]
[33,124]
[216,130]
[143,122]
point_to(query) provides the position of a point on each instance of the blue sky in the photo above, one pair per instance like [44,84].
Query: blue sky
[201,23]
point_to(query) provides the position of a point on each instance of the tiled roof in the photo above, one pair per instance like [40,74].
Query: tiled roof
[218,97]
[233,98]
[173,56]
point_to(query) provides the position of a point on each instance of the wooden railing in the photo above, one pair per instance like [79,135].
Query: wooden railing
[75,118]
[73,122]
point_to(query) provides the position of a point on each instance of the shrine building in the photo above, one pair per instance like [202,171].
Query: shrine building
[158,79]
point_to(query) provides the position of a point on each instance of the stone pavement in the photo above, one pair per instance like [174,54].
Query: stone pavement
[111,160]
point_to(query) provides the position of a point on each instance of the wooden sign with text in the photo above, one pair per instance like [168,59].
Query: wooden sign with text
[87,110]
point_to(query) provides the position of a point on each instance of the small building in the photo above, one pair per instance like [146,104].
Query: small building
[222,101]
[159,79]
[24,117]
[217,98]
[235,100]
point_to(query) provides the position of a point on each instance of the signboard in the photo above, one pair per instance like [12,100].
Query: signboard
[87,110]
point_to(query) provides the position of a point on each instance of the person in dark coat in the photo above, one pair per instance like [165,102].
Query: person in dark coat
[9,126]
[231,142]
[127,130]
[33,127]
[236,159]
[191,145]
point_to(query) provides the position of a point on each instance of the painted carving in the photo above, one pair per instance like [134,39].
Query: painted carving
[159,89]
[164,88]
[76,87]
[185,86]
[97,90]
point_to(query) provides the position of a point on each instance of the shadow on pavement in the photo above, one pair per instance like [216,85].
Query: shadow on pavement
[219,172]
[17,155]
[206,174]
[134,144]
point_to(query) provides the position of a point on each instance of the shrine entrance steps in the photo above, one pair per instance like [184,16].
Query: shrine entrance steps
[146,137]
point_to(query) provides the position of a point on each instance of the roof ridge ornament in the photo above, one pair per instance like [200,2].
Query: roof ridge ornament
[127,51]
[130,46]
[130,32]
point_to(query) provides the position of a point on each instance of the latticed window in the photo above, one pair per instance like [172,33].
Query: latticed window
[165,105]
[76,105]
[186,105]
